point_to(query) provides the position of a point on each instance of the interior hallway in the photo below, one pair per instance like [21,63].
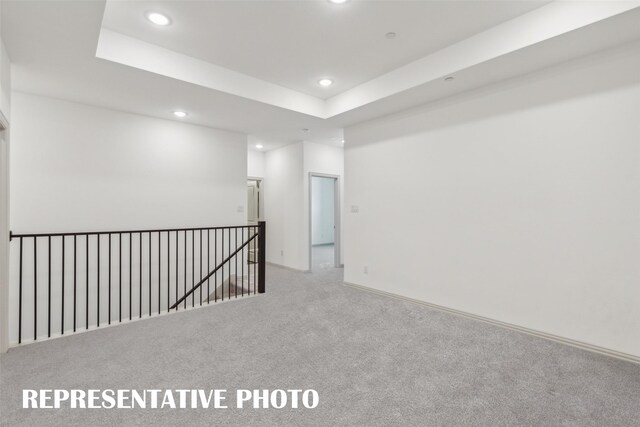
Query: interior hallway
[322,257]
[401,363]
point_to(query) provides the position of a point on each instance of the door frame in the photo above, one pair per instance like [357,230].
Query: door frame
[260,196]
[336,217]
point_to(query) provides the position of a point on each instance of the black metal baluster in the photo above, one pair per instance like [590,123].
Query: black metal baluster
[185,267]
[229,283]
[20,296]
[249,262]
[235,260]
[193,269]
[149,273]
[222,249]
[208,262]
[75,278]
[109,297]
[256,249]
[168,270]
[35,288]
[159,270]
[242,259]
[62,292]
[140,274]
[215,261]
[177,265]
[86,313]
[98,282]
[130,276]
[200,265]
[262,241]
[119,277]
[49,290]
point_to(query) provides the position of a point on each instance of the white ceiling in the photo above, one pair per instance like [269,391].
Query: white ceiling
[52,45]
[295,43]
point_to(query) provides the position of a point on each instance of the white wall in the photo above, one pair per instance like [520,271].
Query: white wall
[255,163]
[284,199]
[77,168]
[96,169]
[519,202]
[5,110]
[287,198]
[322,210]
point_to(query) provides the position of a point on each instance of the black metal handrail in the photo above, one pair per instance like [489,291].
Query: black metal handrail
[13,235]
[97,267]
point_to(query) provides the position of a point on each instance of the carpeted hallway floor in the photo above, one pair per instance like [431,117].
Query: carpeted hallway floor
[375,361]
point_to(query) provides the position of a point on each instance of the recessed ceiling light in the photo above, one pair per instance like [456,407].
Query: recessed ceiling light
[342,141]
[390,35]
[258,146]
[305,130]
[448,79]
[158,18]
[338,1]
[180,114]
[325,82]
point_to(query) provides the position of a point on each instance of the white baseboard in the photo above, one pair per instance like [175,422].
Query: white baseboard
[556,338]
[297,270]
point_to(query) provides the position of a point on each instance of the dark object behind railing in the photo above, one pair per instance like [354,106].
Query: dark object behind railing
[230,262]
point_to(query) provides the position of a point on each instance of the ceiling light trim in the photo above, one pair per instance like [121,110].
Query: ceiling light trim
[159,19]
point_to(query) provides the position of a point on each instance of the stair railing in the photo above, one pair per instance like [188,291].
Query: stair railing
[65,282]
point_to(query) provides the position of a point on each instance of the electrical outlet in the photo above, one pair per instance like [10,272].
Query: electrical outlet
[366,269]
[240,209]
[281,253]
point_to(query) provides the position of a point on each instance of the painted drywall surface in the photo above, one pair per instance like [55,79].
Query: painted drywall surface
[323,159]
[283,199]
[322,210]
[5,77]
[5,109]
[286,194]
[93,168]
[78,168]
[5,82]
[255,164]
[518,202]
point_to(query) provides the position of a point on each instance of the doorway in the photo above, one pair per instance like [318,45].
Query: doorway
[254,200]
[324,221]
[255,212]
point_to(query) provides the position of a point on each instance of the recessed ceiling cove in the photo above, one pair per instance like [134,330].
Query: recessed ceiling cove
[255,67]
[293,44]
[277,52]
